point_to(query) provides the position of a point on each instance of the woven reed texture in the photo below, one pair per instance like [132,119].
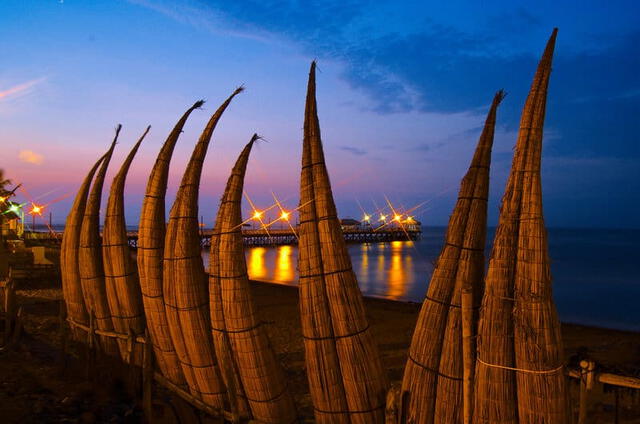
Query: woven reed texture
[342,358]
[234,319]
[185,288]
[542,397]
[518,325]
[69,271]
[151,233]
[121,278]
[90,258]
[433,377]
[321,357]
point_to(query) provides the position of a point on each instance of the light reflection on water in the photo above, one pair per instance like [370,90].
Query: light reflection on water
[256,263]
[595,279]
[390,270]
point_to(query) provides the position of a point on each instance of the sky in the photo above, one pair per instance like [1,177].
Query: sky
[403,91]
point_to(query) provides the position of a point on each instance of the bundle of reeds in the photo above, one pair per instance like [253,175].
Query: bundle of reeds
[542,395]
[346,378]
[121,278]
[239,338]
[519,370]
[434,374]
[185,289]
[69,271]
[90,257]
[151,233]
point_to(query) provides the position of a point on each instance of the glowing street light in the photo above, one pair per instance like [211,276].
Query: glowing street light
[397,217]
[366,218]
[383,217]
[14,208]
[285,215]
[257,215]
[35,209]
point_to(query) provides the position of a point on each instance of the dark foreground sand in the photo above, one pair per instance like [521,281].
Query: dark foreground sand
[33,390]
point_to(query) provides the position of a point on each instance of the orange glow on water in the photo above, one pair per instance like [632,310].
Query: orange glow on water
[363,279]
[284,264]
[257,268]
[396,275]
[383,269]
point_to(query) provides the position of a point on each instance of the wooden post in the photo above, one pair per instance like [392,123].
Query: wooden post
[91,348]
[131,365]
[468,355]
[147,378]
[226,368]
[17,329]
[4,290]
[9,309]
[393,408]
[130,339]
[63,334]
[586,384]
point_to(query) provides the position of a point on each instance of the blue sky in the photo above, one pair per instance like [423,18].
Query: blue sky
[402,90]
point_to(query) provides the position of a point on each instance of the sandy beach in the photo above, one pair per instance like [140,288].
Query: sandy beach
[34,390]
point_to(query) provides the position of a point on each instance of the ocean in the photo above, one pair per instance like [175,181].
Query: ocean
[596,275]
[596,272]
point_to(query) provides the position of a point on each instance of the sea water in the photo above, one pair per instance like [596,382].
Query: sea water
[596,272]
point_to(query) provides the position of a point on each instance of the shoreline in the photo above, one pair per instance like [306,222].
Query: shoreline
[401,273]
[419,304]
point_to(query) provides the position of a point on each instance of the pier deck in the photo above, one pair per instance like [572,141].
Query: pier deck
[275,237]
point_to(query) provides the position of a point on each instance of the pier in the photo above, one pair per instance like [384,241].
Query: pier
[276,237]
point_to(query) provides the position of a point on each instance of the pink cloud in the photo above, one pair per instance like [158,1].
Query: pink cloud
[23,88]
[30,156]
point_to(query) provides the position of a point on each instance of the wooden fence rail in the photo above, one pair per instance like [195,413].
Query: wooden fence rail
[587,374]
[11,314]
[149,374]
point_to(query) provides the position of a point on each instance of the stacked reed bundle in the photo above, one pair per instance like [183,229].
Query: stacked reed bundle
[433,377]
[519,371]
[240,341]
[70,273]
[323,366]
[542,395]
[151,234]
[346,378]
[186,295]
[121,279]
[90,257]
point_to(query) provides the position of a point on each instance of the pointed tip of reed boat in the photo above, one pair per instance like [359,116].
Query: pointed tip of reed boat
[238,90]
[547,56]
[255,138]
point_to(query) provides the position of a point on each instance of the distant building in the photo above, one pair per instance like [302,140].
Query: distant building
[349,224]
[412,224]
[10,222]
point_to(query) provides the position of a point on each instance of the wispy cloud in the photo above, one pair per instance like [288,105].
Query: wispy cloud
[30,156]
[427,68]
[20,89]
[356,151]
[204,18]
[425,147]
[628,94]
